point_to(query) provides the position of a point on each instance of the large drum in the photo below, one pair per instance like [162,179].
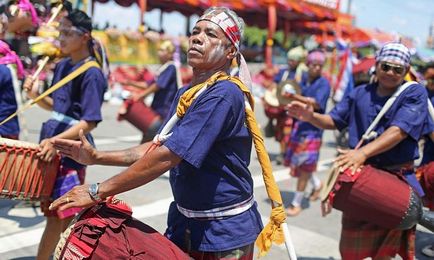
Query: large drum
[108,231]
[22,175]
[375,196]
[140,116]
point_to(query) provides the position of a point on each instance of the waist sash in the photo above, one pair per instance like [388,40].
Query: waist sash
[220,212]
[63,118]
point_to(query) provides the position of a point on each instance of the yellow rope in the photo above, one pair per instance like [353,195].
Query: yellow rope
[55,87]
[272,231]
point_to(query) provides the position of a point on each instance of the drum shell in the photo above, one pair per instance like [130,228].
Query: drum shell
[22,175]
[377,197]
[139,115]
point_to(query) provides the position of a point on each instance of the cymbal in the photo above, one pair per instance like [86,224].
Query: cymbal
[329,183]
[284,87]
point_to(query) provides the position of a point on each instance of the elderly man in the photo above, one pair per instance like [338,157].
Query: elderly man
[214,214]
[394,148]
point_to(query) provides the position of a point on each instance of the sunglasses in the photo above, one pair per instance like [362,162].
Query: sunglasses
[397,69]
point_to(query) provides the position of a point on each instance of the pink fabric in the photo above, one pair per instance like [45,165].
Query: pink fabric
[7,56]
[316,56]
[26,6]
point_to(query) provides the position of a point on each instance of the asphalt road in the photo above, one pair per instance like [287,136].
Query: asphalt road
[313,236]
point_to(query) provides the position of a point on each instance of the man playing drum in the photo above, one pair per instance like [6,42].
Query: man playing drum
[164,88]
[214,215]
[395,147]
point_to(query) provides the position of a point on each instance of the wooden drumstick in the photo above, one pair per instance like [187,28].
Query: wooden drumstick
[55,14]
[38,71]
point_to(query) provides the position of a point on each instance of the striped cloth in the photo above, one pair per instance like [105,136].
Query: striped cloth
[360,240]
[66,179]
[394,51]
[302,154]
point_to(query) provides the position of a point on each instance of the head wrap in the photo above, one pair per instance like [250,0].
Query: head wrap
[219,17]
[395,52]
[297,53]
[26,6]
[316,56]
[7,56]
[167,46]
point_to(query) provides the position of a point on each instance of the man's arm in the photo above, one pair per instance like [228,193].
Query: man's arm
[386,141]
[305,112]
[83,152]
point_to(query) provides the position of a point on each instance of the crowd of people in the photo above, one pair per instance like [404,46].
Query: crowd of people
[212,127]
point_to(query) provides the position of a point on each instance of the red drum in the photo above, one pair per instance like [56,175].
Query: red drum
[22,175]
[425,174]
[375,196]
[108,231]
[140,116]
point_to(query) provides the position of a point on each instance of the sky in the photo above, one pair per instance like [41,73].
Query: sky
[407,17]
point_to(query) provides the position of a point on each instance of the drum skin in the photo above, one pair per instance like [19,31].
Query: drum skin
[23,175]
[377,196]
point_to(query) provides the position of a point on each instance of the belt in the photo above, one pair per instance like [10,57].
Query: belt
[63,118]
[218,213]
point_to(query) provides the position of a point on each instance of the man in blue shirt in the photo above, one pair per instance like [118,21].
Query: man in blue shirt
[214,214]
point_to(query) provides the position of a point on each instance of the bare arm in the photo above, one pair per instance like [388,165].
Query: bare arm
[305,112]
[146,169]
[149,167]
[386,141]
[83,152]
[353,159]
[151,89]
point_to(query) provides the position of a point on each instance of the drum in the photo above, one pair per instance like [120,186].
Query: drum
[22,175]
[108,231]
[425,175]
[374,196]
[272,108]
[140,116]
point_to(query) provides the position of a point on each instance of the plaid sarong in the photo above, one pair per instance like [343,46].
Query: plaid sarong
[360,240]
[241,253]
[302,154]
[67,178]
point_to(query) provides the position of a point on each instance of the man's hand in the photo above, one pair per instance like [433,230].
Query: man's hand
[300,110]
[350,159]
[31,87]
[81,151]
[77,197]
[46,150]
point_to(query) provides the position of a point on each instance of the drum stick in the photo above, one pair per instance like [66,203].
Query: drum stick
[40,68]
[55,14]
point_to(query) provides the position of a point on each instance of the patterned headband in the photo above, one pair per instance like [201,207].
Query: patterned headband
[395,52]
[226,23]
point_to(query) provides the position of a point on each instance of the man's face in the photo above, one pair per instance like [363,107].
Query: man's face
[429,77]
[390,74]
[293,64]
[314,69]
[208,46]
[71,39]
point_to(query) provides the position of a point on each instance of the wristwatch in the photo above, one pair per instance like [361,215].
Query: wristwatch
[93,192]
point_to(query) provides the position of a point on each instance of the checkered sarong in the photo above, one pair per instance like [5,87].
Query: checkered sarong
[360,240]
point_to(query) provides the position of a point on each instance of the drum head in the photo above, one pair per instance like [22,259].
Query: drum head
[270,97]
[329,183]
[287,87]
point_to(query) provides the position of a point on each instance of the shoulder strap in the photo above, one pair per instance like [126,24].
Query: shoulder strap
[369,134]
[87,65]
[431,109]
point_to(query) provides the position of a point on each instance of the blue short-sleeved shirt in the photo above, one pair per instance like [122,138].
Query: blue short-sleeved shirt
[80,99]
[167,86]
[359,108]
[319,89]
[8,102]
[428,150]
[279,76]
[215,145]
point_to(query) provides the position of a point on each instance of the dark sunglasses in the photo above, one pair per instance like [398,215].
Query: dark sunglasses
[398,69]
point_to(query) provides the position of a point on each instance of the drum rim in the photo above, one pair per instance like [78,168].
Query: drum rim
[329,183]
